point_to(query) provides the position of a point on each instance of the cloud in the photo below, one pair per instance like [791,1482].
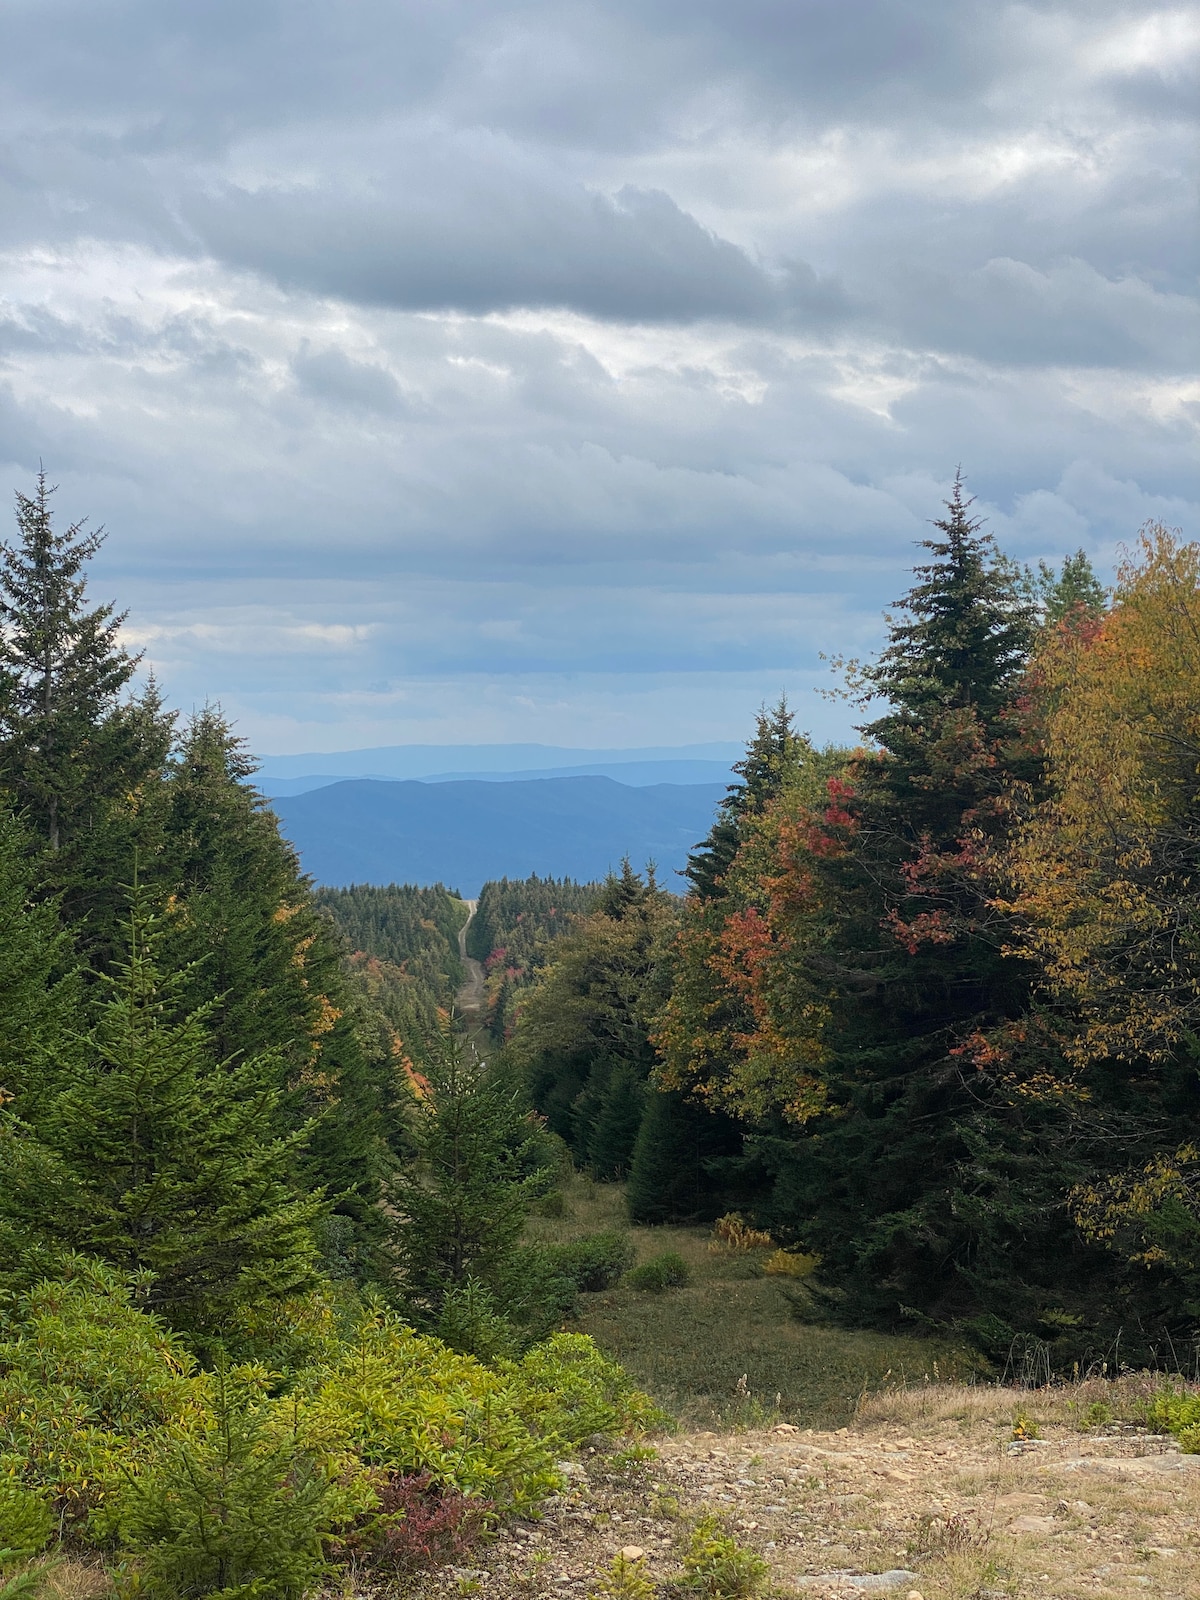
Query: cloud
[580,372]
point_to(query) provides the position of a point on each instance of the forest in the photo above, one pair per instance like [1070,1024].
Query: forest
[927,1012]
[271,1300]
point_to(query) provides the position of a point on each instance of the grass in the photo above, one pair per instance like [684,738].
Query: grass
[726,1350]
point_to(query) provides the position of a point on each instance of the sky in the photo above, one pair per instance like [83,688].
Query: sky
[577,372]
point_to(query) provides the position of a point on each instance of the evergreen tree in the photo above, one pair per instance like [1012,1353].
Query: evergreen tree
[39,991]
[582,1041]
[1074,592]
[617,1095]
[914,963]
[66,744]
[159,1158]
[771,758]
[267,966]
[458,1206]
[676,1171]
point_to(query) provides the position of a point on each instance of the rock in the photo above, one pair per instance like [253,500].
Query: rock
[861,1583]
[632,1552]
[1033,1525]
[784,1427]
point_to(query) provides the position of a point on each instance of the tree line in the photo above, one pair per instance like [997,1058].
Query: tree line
[928,1009]
[253,1184]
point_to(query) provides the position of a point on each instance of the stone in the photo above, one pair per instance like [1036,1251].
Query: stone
[632,1552]
[785,1427]
[861,1583]
[1033,1525]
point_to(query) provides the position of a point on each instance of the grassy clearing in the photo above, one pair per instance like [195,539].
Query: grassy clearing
[726,1351]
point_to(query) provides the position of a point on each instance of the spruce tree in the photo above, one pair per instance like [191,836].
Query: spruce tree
[676,1170]
[64,745]
[620,1103]
[39,991]
[268,966]
[584,1028]
[458,1206]
[911,954]
[772,757]
[159,1158]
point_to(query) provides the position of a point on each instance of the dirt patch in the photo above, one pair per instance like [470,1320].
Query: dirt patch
[946,1506]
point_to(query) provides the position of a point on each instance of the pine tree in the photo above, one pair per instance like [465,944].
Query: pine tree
[267,965]
[39,991]
[459,1205]
[771,758]
[159,1158]
[64,745]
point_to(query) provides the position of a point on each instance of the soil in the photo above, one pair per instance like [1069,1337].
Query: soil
[942,1507]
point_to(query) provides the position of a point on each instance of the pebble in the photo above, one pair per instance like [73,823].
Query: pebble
[632,1552]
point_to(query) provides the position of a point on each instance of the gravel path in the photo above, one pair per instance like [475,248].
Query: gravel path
[469,1000]
[944,1510]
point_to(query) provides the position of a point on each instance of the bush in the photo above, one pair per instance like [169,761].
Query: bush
[735,1233]
[791,1264]
[239,1509]
[26,1520]
[87,1383]
[414,1526]
[568,1390]
[470,1324]
[666,1271]
[718,1567]
[594,1262]
[1175,1411]
[542,1283]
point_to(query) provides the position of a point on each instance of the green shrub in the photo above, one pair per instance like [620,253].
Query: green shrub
[718,1567]
[1174,1411]
[238,1509]
[469,1323]
[404,1403]
[542,1283]
[87,1383]
[26,1519]
[624,1580]
[594,1262]
[568,1390]
[666,1271]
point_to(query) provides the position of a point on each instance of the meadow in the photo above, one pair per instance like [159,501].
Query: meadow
[727,1349]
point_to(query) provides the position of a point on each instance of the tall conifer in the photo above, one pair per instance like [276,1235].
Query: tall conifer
[62,669]
[158,1157]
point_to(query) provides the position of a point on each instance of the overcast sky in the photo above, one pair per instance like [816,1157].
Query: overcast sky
[447,370]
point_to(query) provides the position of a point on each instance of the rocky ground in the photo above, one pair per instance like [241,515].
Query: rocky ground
[926,1496]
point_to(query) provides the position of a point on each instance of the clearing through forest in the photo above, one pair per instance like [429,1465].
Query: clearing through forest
[469,1000]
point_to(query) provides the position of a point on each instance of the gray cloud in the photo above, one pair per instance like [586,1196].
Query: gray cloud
[521,370]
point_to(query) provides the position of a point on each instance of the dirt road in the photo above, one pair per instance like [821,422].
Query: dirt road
[469,1000]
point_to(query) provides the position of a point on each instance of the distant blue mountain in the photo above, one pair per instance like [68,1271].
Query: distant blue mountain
[465,832]
[639,773]
[463,760]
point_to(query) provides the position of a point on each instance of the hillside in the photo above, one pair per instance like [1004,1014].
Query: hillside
[464,833]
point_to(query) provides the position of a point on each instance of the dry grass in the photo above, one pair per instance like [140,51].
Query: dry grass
[1090,1405]
[60,1577]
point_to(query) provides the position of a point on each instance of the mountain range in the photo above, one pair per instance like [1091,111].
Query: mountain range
[462,832]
